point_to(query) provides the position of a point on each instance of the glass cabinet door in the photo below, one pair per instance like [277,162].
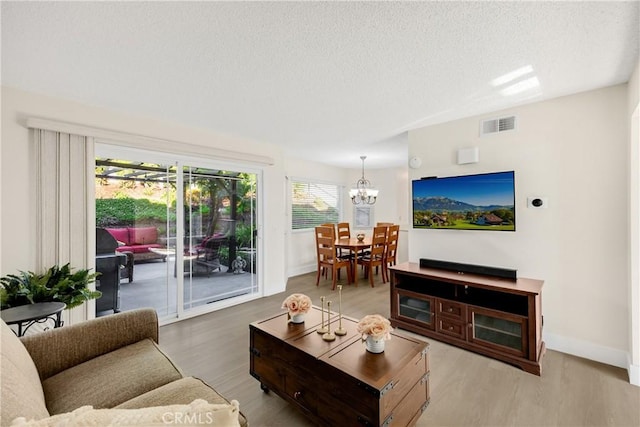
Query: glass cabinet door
[498,329]
[416,308]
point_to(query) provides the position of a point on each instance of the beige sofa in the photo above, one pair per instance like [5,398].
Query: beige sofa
[111,362]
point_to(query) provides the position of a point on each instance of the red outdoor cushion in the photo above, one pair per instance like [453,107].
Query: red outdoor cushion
[120,234]
[206,239]
[143,235]
[138,249]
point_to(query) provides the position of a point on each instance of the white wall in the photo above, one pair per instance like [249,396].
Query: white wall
[391,205]
[572,150]
[17,190]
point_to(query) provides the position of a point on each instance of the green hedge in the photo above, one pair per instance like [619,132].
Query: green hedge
[127,211]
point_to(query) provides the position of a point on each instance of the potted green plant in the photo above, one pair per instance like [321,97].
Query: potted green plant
[56,284]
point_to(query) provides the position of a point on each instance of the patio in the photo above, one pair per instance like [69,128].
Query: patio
[137,203]
[154,285]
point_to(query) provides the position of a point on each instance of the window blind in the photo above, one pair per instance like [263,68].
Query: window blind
[313,203]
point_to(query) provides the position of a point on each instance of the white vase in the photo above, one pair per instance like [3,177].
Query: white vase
[297,318]
[373,345]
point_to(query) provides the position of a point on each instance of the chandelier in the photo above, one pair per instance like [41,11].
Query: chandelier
[363,194]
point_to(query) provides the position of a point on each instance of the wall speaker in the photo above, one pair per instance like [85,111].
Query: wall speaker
[468,155]
[458,267]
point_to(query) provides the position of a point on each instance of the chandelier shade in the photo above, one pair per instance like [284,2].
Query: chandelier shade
[363,193]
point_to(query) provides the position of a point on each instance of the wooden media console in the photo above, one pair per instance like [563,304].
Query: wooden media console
[496,317]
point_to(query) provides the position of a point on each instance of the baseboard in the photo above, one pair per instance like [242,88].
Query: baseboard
[302,269]
[634,372]
[587,350]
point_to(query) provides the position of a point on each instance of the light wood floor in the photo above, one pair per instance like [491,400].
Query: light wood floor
[466,389]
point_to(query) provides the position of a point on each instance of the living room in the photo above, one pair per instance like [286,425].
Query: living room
[578,151]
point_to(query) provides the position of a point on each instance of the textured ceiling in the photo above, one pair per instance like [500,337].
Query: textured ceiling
[328,81]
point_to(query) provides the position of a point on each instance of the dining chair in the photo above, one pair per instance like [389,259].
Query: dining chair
[344,232]
[384,224]
[328,224]
[332,225]
[327,255]
[376,256]
[392,246]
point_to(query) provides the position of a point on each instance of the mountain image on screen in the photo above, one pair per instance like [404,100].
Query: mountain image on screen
[467,202]
[442,204]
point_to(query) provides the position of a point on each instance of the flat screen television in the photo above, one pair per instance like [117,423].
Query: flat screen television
[469,202]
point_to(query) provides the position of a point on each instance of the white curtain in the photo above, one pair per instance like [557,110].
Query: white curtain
[64,206]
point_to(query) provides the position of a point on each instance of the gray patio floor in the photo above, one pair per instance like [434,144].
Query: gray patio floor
[154,285]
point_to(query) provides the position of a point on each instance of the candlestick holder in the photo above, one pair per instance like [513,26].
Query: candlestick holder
[340,330]
[322,329]
[329,336]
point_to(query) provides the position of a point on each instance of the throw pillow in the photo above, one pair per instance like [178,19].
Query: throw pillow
[143,235]
[120,234]
[197,413]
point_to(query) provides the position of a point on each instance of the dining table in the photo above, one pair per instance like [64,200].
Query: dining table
[354,246]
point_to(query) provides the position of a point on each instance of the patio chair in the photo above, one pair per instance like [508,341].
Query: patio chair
[208,254]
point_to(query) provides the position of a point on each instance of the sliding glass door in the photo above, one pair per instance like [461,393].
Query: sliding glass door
[219,246]
[184,231]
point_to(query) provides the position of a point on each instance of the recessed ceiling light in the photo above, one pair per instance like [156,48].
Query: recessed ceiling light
[520,87]
[527,69]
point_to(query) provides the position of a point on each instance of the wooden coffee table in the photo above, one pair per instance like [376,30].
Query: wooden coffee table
[340,382]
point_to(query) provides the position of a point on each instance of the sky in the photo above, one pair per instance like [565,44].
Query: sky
[480,190]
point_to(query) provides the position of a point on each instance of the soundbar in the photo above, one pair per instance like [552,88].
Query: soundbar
[505,273]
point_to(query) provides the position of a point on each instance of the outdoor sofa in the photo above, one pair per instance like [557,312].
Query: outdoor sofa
[103,371]
[139,241]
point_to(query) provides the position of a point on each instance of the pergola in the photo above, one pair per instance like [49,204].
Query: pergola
[123,170]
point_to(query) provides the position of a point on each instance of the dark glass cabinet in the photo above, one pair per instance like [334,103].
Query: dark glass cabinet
[497,317]
[416,308]
[499,330]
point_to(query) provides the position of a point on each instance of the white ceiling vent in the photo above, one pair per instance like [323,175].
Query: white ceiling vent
[502,124]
